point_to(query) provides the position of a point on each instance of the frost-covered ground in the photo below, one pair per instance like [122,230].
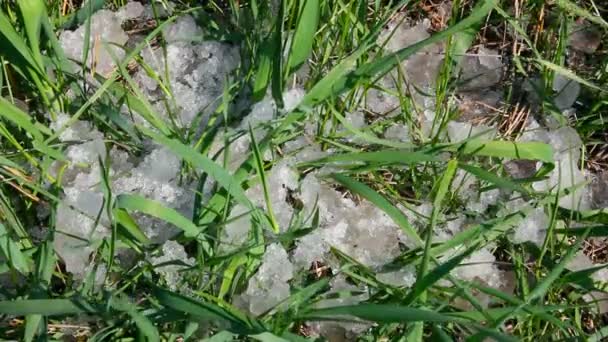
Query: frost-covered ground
[322,228]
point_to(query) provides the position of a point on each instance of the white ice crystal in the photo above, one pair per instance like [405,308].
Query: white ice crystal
[268,287]
[459,131]
[398,132]
[170,264]
[566,144]
[197,72]
[420,69]
[532,228]
[105,34]
[566,91]
[480,266]
[481,70]
[362,231]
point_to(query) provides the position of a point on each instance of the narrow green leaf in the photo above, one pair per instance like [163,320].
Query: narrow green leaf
[158,210]
[130,227]
[571,7]
[264,68]
[219,174]
[508,149]
[385,157]
[259,165]
[568,74]
[13,114]
[380,202]
[382,313]
[12,252]
[145,326]
[46,307]
[11,40]
[197,308]
[75,19]
[500,182]
[302,41]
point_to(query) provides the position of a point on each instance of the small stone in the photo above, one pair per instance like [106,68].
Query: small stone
[600,190]
[520,168]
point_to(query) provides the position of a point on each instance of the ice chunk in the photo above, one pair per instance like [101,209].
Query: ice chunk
[481,70]
[362,231]
[582,262]
[533,228]
[268,287]
[566,91]
[421,68]
[398,132]
[280,181]
[356,120]
[170,264]
[74,239]
[480,266]
[480,103]
[567,175]
[520,168]
[235,232]
[567,146]
[131,10]
[197,74]
[105,34]
[184,29]
[459,131]
[405,277]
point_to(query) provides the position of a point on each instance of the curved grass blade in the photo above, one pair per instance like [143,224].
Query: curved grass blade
[382,313]
[507,149]
[219,174]
[303,38]
[46,307]
[437,274]
[500,182]
[12,252]
[385,157]
[145,326]
[571,7]
[205,311]
[382,203]
[158,210]
[344,77]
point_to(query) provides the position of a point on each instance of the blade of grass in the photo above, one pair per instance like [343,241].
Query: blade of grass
[380,202]
[158,210]
[302,41]
[260,170]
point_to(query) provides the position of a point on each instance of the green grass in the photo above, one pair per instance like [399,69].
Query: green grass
[338,39]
